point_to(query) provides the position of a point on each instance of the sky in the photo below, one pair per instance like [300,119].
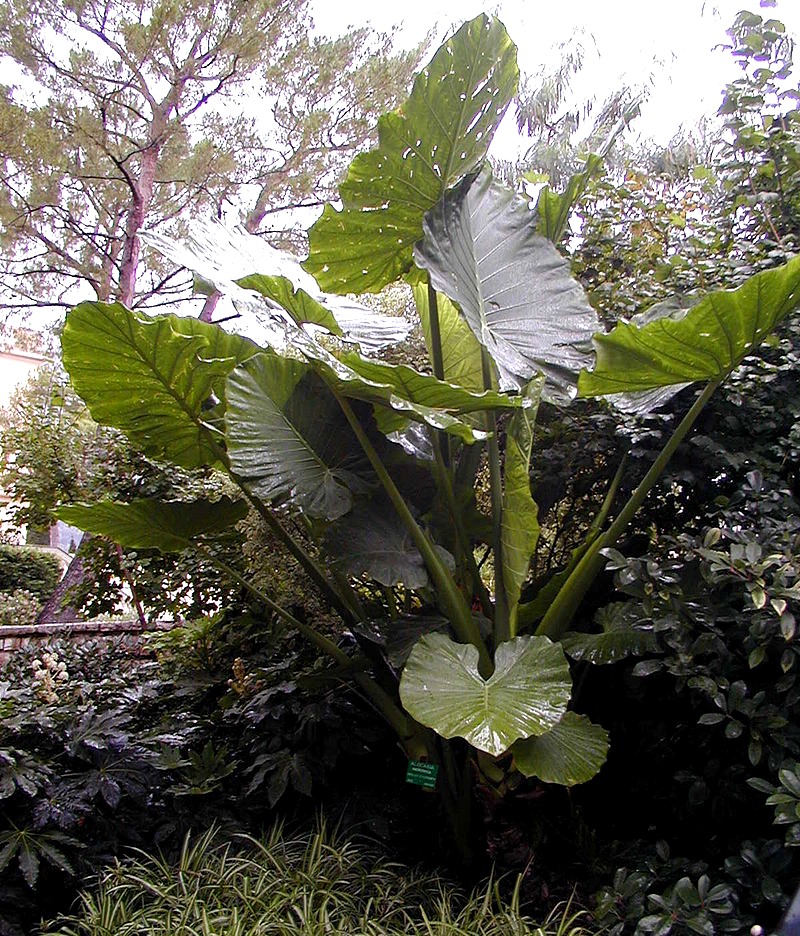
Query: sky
[669,48]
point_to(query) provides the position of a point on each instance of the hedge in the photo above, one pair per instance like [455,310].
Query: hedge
[30,569]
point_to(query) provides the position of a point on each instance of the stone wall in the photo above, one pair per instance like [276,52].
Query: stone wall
[126,634]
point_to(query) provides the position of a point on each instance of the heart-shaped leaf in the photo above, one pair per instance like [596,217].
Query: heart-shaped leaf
[513,287]
[527,694]
[168,526]
[441,133]
[571,752]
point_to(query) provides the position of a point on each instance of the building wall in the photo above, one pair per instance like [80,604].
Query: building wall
[15,369]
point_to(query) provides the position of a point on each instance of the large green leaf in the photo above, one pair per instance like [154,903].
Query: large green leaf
[400,393]
[461,350]
[705,343]
[520,523]
[440,134]
[408,384]
[514,288]
[288,438]
[298,303]
[153,378]
[526,695]
[621,635]
[372,541]
[571,752]
[168,526]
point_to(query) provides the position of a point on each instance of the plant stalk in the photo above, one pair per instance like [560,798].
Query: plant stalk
[502,625]
[393,714]
[453,602]
[561,612]
[346,605]
[446,486]
[437,360]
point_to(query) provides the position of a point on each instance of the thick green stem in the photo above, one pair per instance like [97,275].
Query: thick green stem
[346,604]
[452,601]
[561,612]
[502,626]
[320,641]
[437,358]
[382,701]
[446,487]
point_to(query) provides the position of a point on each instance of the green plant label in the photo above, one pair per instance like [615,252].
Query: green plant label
[422,774]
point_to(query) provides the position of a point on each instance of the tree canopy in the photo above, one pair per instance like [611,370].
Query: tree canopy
[140,116]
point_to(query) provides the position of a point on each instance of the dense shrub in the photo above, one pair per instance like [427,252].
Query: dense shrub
[100,751]
[707,730]
[19,607]
[29,569]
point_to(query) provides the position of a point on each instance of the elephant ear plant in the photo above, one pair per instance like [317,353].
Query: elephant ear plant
[379,462]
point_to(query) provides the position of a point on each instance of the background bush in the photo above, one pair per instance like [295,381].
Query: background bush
[29,569]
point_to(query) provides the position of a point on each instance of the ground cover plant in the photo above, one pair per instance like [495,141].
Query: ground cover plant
[303,885]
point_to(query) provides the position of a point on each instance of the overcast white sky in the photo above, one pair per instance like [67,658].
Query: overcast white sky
[669,46]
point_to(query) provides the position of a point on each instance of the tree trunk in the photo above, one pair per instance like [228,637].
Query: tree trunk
[53,612]
[142,198]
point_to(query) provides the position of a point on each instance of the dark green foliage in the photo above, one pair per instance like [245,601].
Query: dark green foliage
[28,569]
[100,752]
[717,730]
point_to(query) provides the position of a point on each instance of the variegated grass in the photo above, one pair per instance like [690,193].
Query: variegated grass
[318,885]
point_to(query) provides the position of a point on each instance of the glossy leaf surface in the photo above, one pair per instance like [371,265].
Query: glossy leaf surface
[440,134]
[572,752]
[288,439]
[153,378]
[705,343]
[618,639]
[526,695]
[513,287]
[461,350]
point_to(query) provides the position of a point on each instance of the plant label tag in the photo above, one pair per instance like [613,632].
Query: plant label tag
[422,774]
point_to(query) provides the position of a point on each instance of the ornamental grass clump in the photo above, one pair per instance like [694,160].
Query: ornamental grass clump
[293,886]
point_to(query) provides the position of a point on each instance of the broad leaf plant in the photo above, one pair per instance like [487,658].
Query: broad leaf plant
[379,462]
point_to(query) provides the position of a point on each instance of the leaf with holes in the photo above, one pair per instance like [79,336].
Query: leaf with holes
[440,134]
